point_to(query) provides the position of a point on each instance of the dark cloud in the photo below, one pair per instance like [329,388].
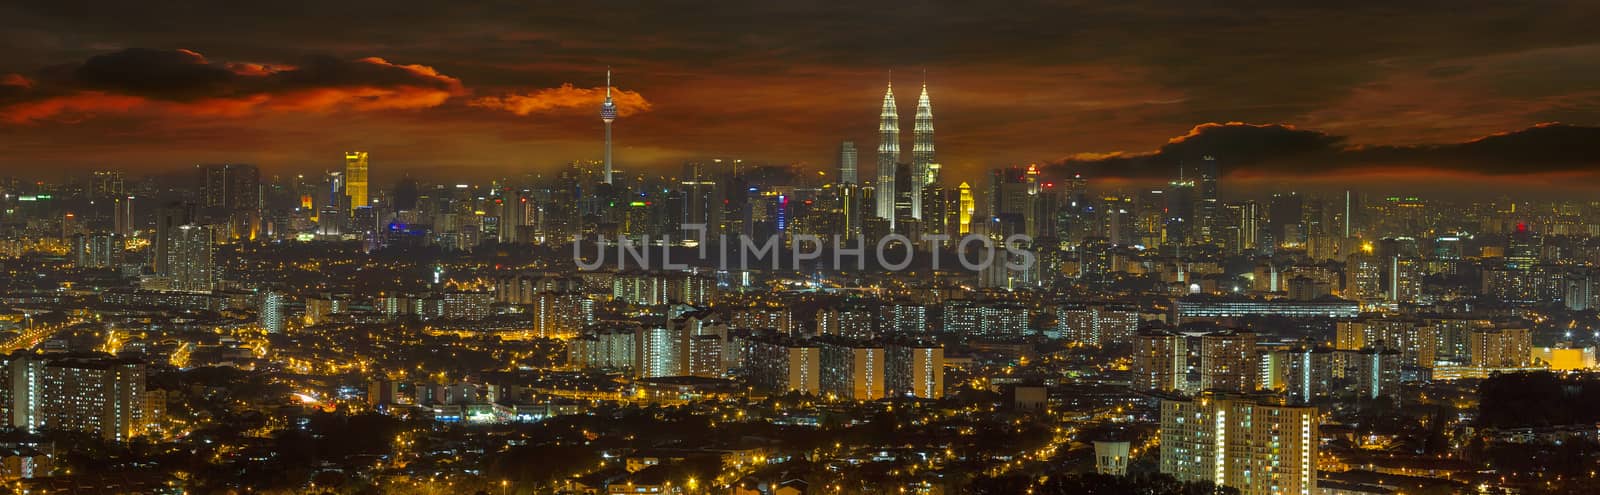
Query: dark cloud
[184,81]
[1283,151]
[162,74]
[785,81]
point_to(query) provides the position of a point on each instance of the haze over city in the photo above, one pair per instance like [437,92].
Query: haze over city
[795,248]
[505,88]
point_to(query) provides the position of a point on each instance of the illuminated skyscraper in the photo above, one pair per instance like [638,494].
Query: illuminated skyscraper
[274,304]
[355,178]
[888,156]
[189,265]
[608,113]
[847,163]
[923,169]
[968,206]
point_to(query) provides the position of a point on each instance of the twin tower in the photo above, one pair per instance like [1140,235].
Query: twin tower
[924,170]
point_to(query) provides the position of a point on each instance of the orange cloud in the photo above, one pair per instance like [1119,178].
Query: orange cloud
[186,83]
[15,80]
[69,108]
[565,98]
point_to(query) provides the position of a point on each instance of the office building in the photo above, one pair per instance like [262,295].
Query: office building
[355,180]
[847,163]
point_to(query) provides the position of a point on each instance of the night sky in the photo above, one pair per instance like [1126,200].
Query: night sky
[1281,91]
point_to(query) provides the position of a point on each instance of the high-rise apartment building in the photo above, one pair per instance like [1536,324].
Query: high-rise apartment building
[1160,361]
[272,315]
[915,369]
[853,370]
[1244,442]
[1228,361]
[188,264]
[92,393]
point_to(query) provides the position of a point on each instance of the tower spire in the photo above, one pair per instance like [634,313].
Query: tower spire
[924,167]
[608,113]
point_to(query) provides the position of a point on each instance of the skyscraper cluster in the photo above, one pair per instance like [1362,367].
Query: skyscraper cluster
[908,191]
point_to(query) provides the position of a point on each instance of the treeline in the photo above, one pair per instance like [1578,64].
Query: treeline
[1520,400]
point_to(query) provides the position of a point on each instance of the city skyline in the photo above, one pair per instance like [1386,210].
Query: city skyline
[1146,246]
[1402,104]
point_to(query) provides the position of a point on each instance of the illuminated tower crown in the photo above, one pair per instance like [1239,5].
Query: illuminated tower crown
[608,110]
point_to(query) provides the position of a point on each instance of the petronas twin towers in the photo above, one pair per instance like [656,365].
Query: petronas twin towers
[924,170]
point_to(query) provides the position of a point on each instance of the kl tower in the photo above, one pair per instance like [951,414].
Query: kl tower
[608,113]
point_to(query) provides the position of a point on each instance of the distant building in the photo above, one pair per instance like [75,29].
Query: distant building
[355,179]
[1111,458]
[778,365]
[273,306]
[1228,361]
[915,369]
[189,265]
[1160,361]
[853,370]
[1194,308]
[1096,325]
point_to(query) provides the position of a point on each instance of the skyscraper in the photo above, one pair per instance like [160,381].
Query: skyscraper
[273,306]
[966,206]
[230,187]
[888,156]
[608,113]
[168,220]
[189,265]
[1012,199]
[122,216]
[230,196]
[847,162]
[355,178]
[1208,208]
[924,170]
